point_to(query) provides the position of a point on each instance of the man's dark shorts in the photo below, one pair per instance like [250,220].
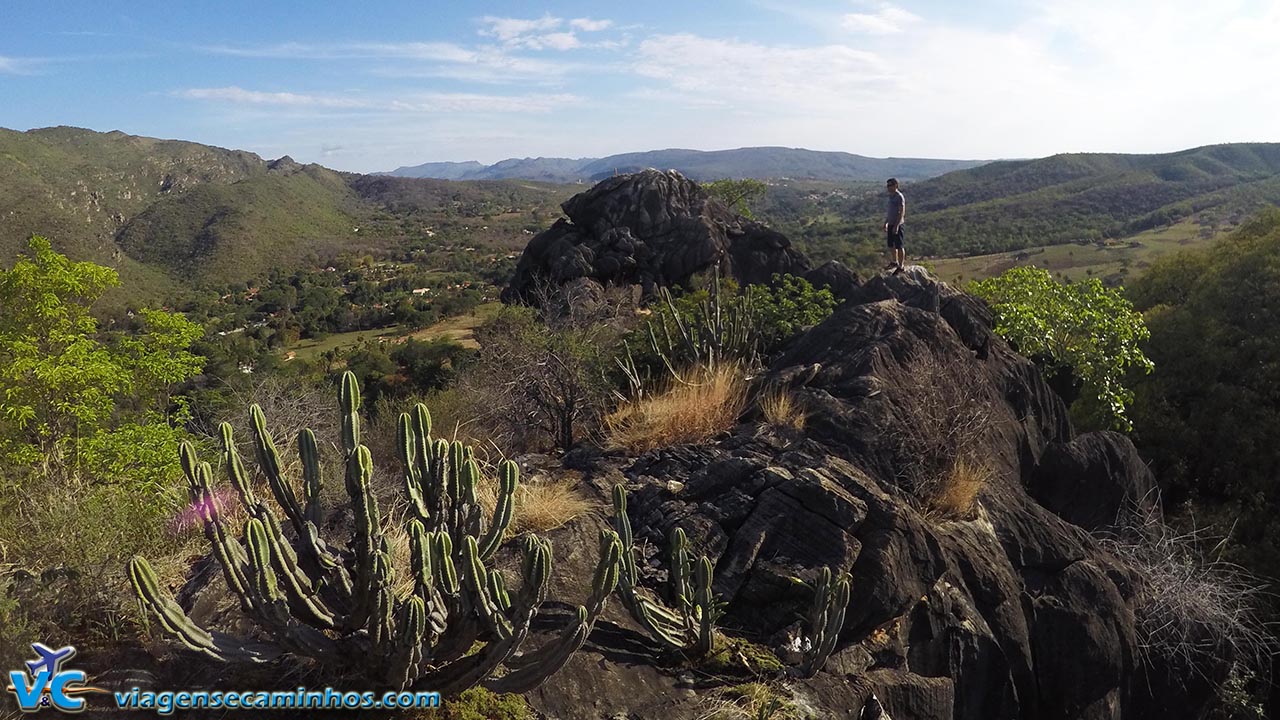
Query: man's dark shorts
[894,238]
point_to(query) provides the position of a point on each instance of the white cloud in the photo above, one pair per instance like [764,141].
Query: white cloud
[239,95]
[559,41]
[17,66]
[889,19]
[511,30]
[422,103]
[489,64]
[589,25]
[772,78]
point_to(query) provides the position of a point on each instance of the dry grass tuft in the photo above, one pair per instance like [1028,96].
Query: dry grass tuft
[782,410]
[541,504]
[692,409]
[953,496]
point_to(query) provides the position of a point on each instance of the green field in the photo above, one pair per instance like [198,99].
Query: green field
[459,329]
[1114,261]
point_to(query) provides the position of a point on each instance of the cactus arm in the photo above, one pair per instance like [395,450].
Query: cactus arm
[534,668]
[312,475]
[349,402]
[707,612]
[827,620]
[216,646]
[503,511]
[405,663]
[269,460]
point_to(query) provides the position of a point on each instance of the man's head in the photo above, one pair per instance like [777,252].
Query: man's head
[891,184]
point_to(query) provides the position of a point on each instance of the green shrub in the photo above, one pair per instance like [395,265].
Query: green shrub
[1079,329]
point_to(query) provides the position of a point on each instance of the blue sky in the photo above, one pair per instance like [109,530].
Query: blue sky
[400,82]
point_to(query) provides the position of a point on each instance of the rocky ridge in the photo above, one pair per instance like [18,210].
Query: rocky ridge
[1013,610]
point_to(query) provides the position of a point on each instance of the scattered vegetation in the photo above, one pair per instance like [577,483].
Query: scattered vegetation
[478,703]
[751,701]
[956,493]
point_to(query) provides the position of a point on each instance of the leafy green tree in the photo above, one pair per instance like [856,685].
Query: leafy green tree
[1081,331]
[737,194]
[68,388]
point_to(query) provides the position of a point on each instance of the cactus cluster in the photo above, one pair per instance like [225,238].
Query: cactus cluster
[340,608]
[689,626]
[826,618]
[719,330]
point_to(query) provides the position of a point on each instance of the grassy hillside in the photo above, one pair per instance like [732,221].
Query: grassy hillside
[1066,198]
[221,233]
[988,218]
[170,216]
[78,187]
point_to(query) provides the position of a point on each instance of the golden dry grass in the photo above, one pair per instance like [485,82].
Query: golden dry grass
[693,409]
[782,410]
[541,505]
[957,491]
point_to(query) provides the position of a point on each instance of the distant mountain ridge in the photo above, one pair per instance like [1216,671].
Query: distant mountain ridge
[754,162]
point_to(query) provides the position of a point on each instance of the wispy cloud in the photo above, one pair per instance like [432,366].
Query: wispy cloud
[483,63]
[590,25]
[421,103]
[241,96]
[544,33]
[888,20]
[511,30]
[778,78]
[18,66]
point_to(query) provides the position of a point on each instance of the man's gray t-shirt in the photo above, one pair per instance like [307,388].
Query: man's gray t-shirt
[894,211]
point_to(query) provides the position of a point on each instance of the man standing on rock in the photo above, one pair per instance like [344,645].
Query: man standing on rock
[894,216]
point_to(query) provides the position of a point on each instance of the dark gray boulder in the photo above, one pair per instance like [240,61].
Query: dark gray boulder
[651,229]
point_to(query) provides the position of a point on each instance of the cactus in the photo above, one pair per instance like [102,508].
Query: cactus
[826,619]
[690,625]
[341,608]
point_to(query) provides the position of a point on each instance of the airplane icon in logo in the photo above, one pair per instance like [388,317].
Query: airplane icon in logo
[50,659]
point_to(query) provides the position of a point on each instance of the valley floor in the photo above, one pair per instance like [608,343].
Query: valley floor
[1115,262]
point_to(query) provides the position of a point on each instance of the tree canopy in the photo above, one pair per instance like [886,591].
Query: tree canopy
[70,391]
[1082,328]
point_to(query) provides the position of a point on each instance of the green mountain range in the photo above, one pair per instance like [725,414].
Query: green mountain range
[169,214]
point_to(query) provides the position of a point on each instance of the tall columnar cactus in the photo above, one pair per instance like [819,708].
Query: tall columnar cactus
[826,619]
[342,608]
[689,625]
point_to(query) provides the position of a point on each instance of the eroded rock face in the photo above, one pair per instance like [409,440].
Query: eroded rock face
[650,229]
[1009,610]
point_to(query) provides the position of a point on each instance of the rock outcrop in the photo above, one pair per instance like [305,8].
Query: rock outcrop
[1008,609]
[650,229]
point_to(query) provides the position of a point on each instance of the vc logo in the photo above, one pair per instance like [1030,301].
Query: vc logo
[46,684]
